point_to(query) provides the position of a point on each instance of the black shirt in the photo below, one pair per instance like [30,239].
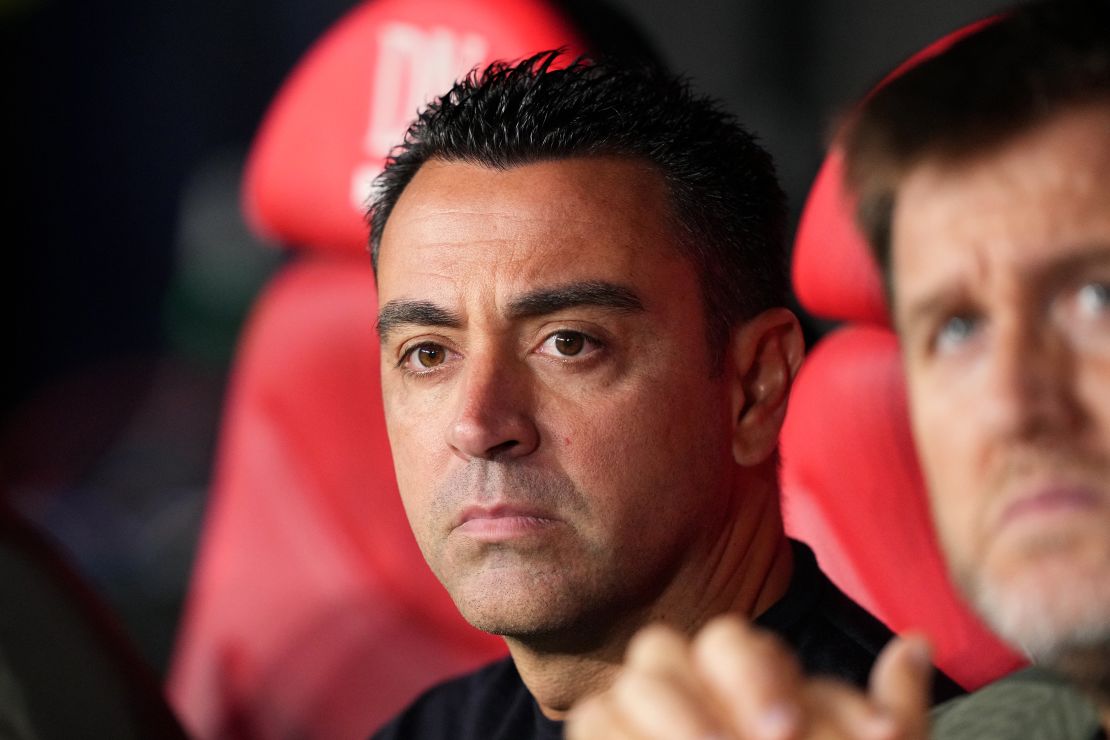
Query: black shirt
[831,635]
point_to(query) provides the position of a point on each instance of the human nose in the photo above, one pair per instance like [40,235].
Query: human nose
[1031,384]
[493,419]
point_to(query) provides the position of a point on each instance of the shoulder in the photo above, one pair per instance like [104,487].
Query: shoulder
[1028,704]
[831,633]
[487,703]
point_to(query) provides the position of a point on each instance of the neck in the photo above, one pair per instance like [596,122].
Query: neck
[743,566]
[1086,668]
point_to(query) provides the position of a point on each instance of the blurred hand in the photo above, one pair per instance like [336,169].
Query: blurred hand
[737,682]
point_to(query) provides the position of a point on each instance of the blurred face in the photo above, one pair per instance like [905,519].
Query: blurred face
[538,325]
[1002,300]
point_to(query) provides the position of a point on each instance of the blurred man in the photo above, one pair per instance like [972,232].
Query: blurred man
[983,179]
[586,363]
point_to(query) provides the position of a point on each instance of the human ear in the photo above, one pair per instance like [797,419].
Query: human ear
[764,356]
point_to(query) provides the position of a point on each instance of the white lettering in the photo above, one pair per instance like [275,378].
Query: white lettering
[413,65]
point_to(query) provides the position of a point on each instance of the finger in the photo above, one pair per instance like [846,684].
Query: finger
[754,676]
[835,709]
[901,682]
[597,718]
[659,691]
[661,707]
[659,650]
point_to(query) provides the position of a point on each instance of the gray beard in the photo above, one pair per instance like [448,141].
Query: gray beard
[1075,646]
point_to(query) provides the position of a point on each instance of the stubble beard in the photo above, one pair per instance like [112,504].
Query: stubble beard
[538,594]
[1043,596]
[1061,621]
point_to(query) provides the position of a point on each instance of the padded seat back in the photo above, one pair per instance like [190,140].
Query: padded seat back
[852,486]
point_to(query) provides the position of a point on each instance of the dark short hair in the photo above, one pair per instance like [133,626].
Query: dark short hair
[726,201]
[1000,81]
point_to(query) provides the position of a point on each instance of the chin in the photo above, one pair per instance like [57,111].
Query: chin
[513,606]
[1053,608]
[546,620]
[512,620]
[1044,619]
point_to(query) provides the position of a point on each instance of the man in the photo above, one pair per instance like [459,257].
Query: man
[983,178]
[586,363]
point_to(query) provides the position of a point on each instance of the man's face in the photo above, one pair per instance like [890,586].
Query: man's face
[560,445]
[1001,270]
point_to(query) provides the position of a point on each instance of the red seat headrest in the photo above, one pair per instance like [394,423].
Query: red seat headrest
[352,96]
[851,482]
[835,275]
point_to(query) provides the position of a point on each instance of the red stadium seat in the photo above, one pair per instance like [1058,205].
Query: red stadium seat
[311,612]
[331,126]
[852,487]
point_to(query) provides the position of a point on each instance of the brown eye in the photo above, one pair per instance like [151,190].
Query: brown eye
[569,343]
[429,355]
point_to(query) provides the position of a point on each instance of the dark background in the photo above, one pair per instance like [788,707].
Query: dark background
[129,271]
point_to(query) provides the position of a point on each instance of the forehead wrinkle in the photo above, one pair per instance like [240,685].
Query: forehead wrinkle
[437,218]
[1018,257]
[477,243]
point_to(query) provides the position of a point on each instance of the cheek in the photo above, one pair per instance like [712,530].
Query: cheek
[956,530]
[416,441]
[946,445]
[639,441]
[415,415]
[1094,393]
[592,444]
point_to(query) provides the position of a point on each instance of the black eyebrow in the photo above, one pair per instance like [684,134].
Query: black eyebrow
[594,293]
[400,312]
[540,302]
